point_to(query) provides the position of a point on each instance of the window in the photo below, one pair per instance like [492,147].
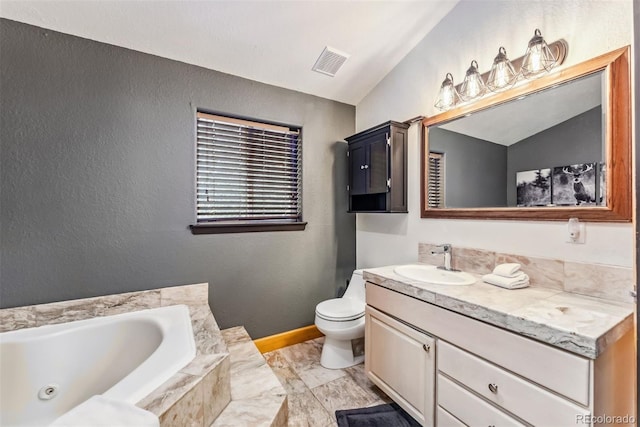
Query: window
[248,176]
[436,180]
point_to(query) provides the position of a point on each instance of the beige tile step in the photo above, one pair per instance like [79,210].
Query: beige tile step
[198,393]
[257,396]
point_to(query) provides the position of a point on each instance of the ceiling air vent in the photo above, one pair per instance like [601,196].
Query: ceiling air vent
[330,61]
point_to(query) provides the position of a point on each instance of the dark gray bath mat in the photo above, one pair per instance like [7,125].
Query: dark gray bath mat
[388,415]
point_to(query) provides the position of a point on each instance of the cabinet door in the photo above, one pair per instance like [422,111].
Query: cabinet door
[401,361]
[357,168]
[378,163]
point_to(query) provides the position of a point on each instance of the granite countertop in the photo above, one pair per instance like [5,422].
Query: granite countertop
[582,325]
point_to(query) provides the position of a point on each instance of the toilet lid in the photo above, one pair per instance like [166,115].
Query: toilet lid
[341,309]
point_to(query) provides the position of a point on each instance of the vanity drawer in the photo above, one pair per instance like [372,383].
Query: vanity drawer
[528,401]
[468,408]
[445,419]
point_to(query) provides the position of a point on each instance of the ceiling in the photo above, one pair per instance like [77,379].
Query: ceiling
[271,41]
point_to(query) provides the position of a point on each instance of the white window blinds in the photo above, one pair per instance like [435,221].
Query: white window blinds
[436,180]
[247,171]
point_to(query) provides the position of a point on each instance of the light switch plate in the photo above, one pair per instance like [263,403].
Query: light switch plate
[581,237]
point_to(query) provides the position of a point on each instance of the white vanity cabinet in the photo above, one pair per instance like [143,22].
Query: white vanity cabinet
[485,375]
[401,361]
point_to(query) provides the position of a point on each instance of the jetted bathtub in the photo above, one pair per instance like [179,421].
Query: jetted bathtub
[46,371]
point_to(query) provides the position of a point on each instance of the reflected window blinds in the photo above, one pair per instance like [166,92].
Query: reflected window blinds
[436,180]
[247,171]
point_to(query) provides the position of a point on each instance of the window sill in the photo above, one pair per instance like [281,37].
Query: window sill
[248,227]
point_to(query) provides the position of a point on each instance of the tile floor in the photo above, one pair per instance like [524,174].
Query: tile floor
[315,393]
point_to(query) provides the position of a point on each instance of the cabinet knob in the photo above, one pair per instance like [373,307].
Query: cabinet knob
[366,166]
[493,388]
[426,347]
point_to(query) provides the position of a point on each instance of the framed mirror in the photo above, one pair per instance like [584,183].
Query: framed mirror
[551,149]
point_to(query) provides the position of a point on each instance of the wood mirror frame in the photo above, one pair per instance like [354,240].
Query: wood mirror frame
[616,69]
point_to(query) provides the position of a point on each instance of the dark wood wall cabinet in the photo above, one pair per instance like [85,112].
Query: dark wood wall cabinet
[378,169]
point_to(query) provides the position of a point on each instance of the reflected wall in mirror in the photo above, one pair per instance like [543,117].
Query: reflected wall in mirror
[556,148]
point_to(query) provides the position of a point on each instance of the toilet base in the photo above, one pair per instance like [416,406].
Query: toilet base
[338,354]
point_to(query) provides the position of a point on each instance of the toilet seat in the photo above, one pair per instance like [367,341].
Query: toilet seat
[340,309]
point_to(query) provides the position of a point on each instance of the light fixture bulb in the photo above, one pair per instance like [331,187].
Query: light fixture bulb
[448,95]
[502,75]
[535,60]
[539,58]
[472,86]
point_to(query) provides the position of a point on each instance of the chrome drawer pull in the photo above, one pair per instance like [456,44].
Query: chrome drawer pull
[493,388]
[426,347]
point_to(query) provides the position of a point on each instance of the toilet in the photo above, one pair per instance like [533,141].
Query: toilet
[341,320]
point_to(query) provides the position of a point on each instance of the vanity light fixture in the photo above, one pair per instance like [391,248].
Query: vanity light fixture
[502,75]
[539,58]
[473,86]
[448,95]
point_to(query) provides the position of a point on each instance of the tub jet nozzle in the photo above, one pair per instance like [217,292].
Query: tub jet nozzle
[48,392]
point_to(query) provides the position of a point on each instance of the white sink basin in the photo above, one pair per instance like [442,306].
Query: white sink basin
[436,276]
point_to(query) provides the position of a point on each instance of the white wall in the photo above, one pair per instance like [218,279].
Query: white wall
[475,30]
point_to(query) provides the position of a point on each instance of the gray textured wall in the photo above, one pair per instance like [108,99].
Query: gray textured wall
[475,173]
[577,140]
[97,183]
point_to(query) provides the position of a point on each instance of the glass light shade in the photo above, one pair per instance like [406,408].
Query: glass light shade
[473,86]
[448,95]
[502,75]
[539,57]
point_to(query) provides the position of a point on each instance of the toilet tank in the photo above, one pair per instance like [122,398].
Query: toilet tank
[356,286]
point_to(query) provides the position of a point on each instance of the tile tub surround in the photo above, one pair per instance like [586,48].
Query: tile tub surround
[195,395]
[582,325]
[596,280]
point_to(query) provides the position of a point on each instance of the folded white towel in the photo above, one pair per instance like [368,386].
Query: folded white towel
[511,269]
[100,411]
[519,281]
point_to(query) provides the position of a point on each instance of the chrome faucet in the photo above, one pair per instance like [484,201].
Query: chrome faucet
[445,249]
